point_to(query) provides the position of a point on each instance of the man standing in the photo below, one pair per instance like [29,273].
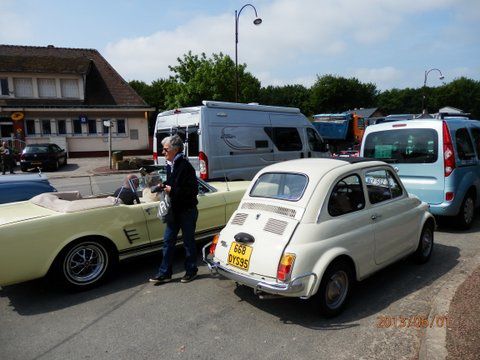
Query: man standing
[7,160]
[182,187]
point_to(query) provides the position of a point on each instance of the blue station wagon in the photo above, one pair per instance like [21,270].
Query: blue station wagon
[437,159]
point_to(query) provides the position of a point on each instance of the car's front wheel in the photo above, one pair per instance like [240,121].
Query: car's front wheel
[84,264]
[334,288]
[425,245]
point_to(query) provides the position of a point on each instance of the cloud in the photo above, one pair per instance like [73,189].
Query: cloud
[383,78]
[326,33]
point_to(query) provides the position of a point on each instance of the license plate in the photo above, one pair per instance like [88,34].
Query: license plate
[239,255]
[36,163]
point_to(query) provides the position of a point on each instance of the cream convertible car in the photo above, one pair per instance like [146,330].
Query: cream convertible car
[313,226]
[80,240]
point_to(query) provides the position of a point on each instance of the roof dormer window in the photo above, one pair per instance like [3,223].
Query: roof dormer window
[46,88]
[4,87]
[23,87]
[69,88]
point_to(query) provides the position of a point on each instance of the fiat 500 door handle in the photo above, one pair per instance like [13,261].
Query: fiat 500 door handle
[376,216]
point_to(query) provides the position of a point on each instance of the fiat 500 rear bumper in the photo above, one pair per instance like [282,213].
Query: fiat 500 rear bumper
[294,287]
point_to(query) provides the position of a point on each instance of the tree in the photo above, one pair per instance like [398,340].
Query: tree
[402,101]
[336,94]
[200,78]
[461,93]
[289,95]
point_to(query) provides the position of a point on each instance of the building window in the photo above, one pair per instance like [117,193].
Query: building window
[4,87]
[61,127]
[46,127]
[133,134]
[23,87]
[77,126]
[92,126]
[69,88]
[120,126]
[47,88]
[30,125]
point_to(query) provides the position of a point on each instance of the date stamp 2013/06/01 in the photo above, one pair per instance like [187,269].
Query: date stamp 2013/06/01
[412,321]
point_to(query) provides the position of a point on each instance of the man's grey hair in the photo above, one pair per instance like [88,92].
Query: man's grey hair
[174,141]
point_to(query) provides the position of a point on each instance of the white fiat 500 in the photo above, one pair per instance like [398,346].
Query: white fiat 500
[314,226]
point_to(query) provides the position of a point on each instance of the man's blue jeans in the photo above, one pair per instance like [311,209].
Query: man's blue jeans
[185,221]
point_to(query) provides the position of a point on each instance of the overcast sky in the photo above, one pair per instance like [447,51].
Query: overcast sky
[390,43]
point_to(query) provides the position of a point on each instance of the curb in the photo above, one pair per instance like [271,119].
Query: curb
[434,343]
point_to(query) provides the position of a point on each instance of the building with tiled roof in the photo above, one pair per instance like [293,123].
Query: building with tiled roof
[66,96]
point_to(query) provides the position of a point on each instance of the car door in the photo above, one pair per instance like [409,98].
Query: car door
[348,221]
[394,224]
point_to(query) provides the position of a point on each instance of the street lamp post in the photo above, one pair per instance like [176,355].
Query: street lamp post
[441,77]
[257,21]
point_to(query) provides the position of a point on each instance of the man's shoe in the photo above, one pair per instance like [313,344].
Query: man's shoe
[160,279]
[188,277]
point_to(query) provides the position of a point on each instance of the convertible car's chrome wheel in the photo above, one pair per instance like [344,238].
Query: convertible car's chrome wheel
[334,288]
[425,245]
[84,264]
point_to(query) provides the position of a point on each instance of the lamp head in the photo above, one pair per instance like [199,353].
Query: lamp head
[257,21]
[442,77]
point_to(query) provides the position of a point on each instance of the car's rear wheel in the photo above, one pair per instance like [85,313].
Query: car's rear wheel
[334,288]
[23,168]
[425,245]
[84,264]
[465,217]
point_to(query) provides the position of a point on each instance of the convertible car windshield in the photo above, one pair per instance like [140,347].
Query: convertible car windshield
[284,186]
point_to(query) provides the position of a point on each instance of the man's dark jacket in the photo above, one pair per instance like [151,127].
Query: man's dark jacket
[183,181]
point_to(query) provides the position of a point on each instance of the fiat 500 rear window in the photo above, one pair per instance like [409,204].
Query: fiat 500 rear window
[283,186]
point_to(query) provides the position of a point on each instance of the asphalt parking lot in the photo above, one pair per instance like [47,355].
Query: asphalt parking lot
[211,318]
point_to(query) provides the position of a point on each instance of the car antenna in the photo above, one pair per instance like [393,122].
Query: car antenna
[224,174]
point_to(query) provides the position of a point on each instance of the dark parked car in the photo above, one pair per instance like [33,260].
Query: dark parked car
[45,156]
[23,187]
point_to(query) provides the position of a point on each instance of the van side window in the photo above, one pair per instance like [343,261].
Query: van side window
[381,186]
[347,196]
[476,139]
[315,143]
[464,144]
[285,138]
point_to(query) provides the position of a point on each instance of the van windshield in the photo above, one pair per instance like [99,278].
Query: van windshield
[282,186]
[402,146]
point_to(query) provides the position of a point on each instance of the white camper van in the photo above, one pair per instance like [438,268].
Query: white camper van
[234,141]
